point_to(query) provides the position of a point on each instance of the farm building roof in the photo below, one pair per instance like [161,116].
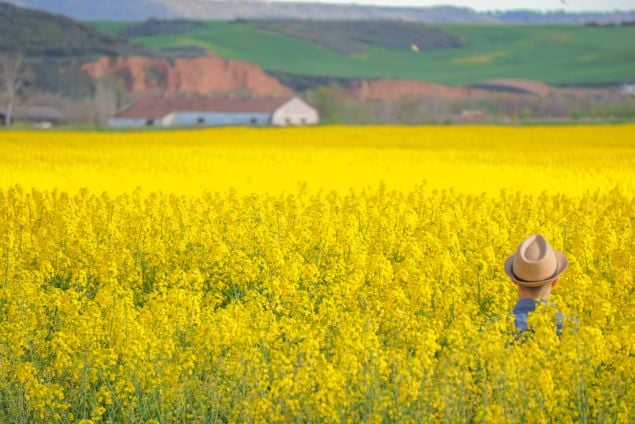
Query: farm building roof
[152,107]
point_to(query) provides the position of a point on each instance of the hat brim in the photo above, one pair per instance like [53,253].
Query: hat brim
[562,265]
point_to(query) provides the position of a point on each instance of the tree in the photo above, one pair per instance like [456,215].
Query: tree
[105,99]
[11,80]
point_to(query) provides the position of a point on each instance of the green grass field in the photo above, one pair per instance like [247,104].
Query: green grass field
[556,54]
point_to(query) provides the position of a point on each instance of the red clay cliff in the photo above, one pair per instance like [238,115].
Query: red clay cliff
[204,75]
[394,89]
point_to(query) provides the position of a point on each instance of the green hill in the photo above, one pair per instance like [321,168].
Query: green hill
[555,54]
[54,47]
[35,33]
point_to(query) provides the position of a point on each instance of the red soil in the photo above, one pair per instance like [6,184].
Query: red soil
[203,75]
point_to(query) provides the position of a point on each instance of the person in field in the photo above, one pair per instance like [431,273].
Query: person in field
[534,268]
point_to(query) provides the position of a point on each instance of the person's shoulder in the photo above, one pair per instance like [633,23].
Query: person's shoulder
[524,305]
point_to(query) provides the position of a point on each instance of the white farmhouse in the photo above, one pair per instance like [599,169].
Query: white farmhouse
[164,111]
[628,90]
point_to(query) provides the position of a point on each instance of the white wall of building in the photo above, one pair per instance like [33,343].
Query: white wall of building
[628,90]
[295,112]
[206,119]
[128,122]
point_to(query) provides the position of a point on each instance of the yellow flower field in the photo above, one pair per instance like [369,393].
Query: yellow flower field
[313,275]
[571,160]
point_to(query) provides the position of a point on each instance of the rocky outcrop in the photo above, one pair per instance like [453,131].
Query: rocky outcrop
[205,75]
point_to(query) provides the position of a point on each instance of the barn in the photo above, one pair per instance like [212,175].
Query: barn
[166,111]
[39,116]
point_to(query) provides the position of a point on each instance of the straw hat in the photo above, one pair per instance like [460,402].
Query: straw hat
[535,263]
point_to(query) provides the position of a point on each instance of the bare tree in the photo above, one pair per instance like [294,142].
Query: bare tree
[105,99]
[11,80]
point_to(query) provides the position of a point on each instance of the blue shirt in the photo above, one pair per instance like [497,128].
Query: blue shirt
[524,307]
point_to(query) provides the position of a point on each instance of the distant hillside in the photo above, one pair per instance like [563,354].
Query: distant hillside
[232,10]
[561,17]
[355,37]
[35,33]
[565,54]
[346,37]
[255,9]
[97,10]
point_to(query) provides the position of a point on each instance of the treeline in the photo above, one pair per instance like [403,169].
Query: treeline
[610,24]
[336,107]
[354,37]
[154,27]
